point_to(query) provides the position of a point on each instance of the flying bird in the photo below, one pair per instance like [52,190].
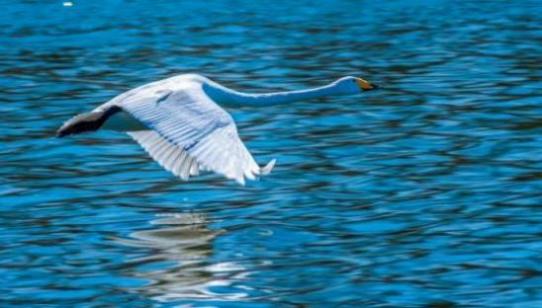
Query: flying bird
[180,123]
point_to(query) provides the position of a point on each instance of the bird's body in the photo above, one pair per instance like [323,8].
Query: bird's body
[179,123]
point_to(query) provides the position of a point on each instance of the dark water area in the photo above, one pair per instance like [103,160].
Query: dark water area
[426,192]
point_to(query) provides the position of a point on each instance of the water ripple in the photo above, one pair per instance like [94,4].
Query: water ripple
[423,193]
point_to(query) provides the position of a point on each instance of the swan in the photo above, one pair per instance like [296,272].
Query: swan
[181,125]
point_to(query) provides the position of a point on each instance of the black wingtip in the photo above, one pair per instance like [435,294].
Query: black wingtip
[68,128]
[59,134]
[86,122]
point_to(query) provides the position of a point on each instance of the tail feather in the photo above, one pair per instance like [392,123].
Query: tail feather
[267,169]
[86,122]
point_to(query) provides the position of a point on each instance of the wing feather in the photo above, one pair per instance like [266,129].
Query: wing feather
[168,155]
[189,132]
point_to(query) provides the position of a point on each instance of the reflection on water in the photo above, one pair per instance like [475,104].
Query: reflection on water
[426,192]
[180,265]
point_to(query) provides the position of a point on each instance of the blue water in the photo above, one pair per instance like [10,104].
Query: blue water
[426,192]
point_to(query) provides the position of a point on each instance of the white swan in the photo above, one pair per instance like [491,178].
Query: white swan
[179,123]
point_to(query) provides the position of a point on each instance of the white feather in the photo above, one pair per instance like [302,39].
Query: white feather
[187,132]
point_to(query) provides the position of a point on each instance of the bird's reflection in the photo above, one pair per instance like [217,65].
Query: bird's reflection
[179,264]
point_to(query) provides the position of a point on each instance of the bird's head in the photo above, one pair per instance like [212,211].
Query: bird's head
[353,85]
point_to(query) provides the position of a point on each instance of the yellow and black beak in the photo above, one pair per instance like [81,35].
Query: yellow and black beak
[365,85]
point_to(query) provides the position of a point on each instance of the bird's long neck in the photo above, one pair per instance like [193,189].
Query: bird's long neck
[226,96]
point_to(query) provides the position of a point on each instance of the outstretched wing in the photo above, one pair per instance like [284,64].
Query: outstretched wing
[189,132]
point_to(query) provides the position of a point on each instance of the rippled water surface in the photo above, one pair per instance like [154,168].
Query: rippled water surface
[428,191]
